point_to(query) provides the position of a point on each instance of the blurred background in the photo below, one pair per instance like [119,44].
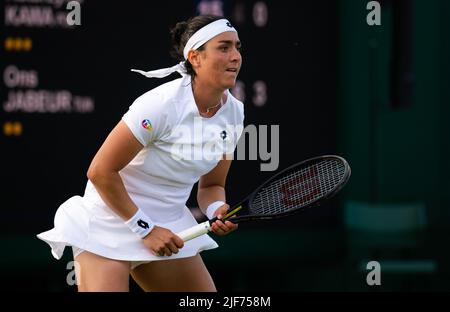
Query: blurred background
[367,80]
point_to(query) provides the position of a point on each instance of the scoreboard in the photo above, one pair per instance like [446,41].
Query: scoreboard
[66,82]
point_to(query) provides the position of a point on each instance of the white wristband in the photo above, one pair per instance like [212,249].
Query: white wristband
[212,208]
[140,224]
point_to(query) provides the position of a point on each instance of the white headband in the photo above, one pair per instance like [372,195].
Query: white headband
[199,38]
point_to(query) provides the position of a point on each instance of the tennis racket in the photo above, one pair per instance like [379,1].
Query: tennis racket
[303,185]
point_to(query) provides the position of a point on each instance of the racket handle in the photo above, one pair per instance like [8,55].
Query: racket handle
[195,231]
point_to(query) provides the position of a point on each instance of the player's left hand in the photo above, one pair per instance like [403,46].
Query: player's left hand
[222,228]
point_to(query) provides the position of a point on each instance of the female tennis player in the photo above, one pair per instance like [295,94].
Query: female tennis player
[141,177]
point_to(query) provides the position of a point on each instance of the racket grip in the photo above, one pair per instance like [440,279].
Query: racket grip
[195,231]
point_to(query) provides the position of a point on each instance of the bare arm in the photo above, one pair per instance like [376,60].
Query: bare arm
[211,188]
[119,148]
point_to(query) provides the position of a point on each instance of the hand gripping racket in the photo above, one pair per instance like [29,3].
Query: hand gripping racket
[303,185]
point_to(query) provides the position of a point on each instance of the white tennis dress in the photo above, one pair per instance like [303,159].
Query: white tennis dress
[179,147]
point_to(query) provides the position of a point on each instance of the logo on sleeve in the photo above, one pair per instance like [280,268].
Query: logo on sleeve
[147,124]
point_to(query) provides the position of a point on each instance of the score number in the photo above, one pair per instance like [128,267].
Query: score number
[259,94]
[260,16]
[260,13]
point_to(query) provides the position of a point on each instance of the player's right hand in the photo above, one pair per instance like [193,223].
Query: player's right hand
[163,242]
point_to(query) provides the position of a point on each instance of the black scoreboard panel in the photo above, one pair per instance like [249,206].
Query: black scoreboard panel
[64,87]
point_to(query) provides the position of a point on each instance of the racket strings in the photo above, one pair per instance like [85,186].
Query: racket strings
[299,188]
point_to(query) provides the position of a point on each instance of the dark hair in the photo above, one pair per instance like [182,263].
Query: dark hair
[181,34]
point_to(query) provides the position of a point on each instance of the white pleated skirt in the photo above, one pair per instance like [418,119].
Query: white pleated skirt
[97,229]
